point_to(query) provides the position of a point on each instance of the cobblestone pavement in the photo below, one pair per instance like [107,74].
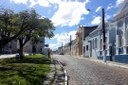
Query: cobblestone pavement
[84,72]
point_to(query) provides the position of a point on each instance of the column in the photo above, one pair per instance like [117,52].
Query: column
[117,44]
[124,38]
[117,40]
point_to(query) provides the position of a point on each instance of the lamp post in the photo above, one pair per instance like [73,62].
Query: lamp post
[103,30]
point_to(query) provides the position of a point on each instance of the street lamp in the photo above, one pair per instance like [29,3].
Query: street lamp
[103,27]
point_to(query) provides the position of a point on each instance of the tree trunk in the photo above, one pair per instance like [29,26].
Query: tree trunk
[0,50]
[21,55]
[33,49]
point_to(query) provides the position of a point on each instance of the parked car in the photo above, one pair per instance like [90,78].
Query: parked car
[61,53]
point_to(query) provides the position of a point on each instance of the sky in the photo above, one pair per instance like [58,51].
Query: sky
[66,15]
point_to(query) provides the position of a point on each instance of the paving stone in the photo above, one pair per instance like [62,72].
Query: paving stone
[85,72]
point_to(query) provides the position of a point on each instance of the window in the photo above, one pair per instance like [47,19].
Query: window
[95,42]
[126,33]
[101,44]
[120,32]
[106,39]
[120,28]
[120,41]
[86,47]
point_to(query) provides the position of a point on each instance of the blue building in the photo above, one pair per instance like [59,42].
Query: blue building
[95,42]
[121,25]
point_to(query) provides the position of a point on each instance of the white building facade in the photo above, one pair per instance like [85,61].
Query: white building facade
[121,24]
[94,42]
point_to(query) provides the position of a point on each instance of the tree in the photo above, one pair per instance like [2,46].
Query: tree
[37,28]
[11,25]
[26,36]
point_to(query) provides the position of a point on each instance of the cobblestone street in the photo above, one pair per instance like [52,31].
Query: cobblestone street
[84,72]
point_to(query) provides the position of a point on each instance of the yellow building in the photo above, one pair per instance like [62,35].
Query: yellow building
[83,31]
[79,41]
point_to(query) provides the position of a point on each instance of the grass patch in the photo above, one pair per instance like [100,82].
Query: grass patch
[32,70]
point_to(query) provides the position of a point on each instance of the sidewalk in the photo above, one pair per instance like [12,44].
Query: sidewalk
[110,63]
[57,76]
[9,55]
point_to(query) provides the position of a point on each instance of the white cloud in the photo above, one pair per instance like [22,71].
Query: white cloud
[64,38]
[19,1]
[107,17]
[98,8]
[54,46]
[110,6]
[118,2]
[33,3]
[56,36]
[96,20]
[69,13]
[44,3]
[114,15]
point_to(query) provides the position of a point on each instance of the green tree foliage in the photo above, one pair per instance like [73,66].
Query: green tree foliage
[37,28]
[24,26]
[11,25]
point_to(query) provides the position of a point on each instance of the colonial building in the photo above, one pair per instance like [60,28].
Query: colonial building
[86,47]
[94,42]
[79,41]
[121,23]
[38,46]
[73,47]
[66,49]
[83,31]
[69,50]
[10,48]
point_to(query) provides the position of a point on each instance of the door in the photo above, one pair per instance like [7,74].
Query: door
[90,49]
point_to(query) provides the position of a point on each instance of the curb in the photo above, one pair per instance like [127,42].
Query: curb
[57,75]
[110,63]
[51,76]
[66,78]
[65,74]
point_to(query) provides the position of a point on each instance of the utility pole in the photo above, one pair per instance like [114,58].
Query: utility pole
[104,40]
[70,43]
[103,31]
[62,49]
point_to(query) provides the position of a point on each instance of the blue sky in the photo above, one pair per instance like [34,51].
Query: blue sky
[66,14]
